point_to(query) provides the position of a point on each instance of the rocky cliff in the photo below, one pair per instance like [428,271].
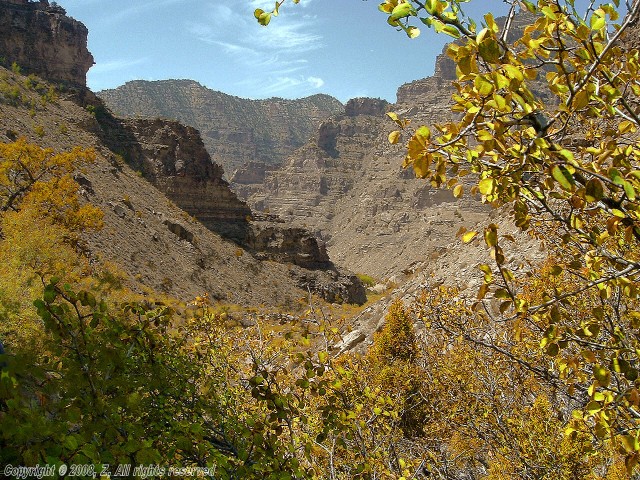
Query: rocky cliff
[156,243]
[41,39]
[235,130]
[172,157]
[347,185]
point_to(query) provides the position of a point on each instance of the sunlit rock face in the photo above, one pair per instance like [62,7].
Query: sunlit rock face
[41,39]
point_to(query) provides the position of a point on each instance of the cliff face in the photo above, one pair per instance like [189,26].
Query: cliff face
[235,131]
[173,158]
[347,185]
[365,106]
[41,39]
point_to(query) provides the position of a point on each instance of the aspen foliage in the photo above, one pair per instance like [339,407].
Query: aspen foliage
[41,222]
[545,126]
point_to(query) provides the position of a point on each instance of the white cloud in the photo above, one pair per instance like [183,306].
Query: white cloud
[115,65]
[137,9]
[300,84]
[275,56]
[268,5]
[315,82]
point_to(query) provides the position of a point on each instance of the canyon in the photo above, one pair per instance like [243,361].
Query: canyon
[346,183]
[152,178]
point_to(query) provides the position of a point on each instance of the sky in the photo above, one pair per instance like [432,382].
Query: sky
[343,48]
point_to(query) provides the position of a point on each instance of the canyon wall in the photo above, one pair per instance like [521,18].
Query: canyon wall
[41,39]
[235,131]
[172,157]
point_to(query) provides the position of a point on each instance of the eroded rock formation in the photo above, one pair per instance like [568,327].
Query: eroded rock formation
[41,39]
[235,131]
[365,106]
[173,158]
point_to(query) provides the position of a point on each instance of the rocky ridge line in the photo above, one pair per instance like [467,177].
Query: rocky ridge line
[235,131]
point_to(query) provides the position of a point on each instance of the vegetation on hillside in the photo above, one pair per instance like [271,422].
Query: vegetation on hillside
[547,128]
[535,378]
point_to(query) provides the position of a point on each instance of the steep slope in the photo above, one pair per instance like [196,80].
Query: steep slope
[235,130]
[153,242]
[156,244]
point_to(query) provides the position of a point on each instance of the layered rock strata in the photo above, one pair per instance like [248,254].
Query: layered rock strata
[173,158]
[235,131]
[41,39]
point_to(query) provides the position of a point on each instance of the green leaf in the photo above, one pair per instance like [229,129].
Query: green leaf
[629,443]
[562,176]
[616,176]
[49,295]
[597,22]
[402,10]
[423,132]
[70,443]
[629,190]
[483,85]
[431,6]
[594,190]
[491,236]
[489,50]
[264,19]
[451,31]
[513,72]
[593,407]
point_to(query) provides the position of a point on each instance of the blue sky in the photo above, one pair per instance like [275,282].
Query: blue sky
[341,47]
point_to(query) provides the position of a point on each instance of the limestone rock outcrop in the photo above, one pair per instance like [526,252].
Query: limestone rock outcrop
[173,158]
[274,241]
[41,39]
[348,187]
[365,106]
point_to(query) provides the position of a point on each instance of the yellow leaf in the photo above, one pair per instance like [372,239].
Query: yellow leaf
[467,237]
[483,85]
[486,186]
[491,235]
[394,137]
